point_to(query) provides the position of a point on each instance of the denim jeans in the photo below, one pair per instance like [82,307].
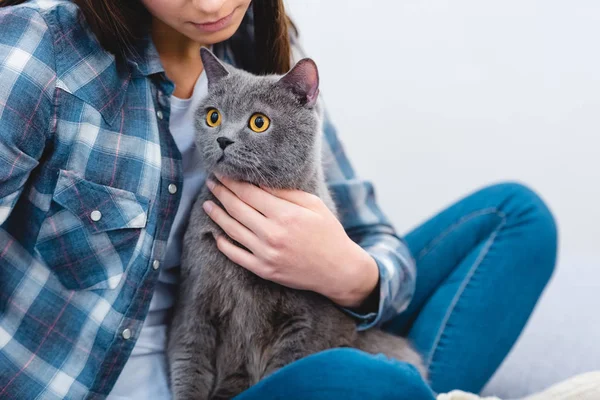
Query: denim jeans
[481,266]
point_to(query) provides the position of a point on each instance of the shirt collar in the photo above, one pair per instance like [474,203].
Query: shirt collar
[147,60]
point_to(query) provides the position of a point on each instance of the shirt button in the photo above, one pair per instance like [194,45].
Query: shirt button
[172,188]
[159,114]
[155,264]
[162,99]
[126,333]
[96,215]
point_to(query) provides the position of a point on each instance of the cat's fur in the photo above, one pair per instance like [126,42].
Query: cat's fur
[232,328]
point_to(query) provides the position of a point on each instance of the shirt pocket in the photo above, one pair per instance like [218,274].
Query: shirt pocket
[90,232]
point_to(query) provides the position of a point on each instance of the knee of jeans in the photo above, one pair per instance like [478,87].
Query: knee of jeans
[340,357]
[526,210]
[377,368]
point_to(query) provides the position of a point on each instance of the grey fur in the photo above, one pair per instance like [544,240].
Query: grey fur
[232,328]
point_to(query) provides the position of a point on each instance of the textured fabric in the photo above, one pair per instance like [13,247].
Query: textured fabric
[482,264]
[145,375]
[342,374]
[460,395]
[581,387]
[90,180]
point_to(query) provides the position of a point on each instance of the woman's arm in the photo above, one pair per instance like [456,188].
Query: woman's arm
[27,86]
[292,238]
[366,225]
[296,241]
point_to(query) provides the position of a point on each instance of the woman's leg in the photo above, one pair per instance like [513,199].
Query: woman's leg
[344,373]
[481,266]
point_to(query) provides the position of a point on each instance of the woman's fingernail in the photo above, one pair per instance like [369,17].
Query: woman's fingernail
[210,184]
[207,206]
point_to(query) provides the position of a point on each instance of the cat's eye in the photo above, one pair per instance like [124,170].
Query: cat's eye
[213,118]
[259,122]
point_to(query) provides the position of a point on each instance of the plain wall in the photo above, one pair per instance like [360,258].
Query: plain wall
[435,98]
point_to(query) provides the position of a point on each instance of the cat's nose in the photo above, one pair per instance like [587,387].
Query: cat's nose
[224,142]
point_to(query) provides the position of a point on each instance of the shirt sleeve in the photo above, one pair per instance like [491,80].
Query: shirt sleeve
[27,85]
[365,223]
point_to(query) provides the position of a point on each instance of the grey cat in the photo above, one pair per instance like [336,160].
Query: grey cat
[232,328]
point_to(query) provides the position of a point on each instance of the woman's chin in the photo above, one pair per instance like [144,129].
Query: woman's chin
[210,38]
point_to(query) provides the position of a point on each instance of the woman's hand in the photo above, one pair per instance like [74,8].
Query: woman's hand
[294,240]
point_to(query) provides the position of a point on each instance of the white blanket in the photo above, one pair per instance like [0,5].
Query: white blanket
[580,387]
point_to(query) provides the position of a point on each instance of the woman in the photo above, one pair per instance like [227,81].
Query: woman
[97,176]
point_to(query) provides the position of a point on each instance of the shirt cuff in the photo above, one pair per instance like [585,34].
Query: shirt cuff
[365,318]
[395,289]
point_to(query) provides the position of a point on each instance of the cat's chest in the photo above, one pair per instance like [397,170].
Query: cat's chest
[239,298]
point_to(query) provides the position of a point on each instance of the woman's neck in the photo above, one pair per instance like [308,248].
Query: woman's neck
[180,56]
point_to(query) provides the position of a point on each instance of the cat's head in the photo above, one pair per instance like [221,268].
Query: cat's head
[260,129]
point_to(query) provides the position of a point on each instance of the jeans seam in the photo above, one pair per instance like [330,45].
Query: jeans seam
[433,242]
[464,284]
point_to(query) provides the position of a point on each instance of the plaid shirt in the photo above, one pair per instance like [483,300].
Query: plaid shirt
[90,180]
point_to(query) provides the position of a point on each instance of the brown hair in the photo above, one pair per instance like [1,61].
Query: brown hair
[118,26]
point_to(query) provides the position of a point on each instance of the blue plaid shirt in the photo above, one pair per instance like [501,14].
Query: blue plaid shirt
[90,181]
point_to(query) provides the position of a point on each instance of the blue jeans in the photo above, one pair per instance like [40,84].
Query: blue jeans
[481,266]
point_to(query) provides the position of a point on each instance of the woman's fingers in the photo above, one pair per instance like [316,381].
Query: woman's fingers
[299,197]
[241,257]
[255,197]
[231,226]
[238,209]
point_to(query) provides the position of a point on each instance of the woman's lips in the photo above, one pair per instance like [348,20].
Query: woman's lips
[215,26]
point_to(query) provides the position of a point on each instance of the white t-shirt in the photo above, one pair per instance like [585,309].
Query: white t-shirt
[145,373]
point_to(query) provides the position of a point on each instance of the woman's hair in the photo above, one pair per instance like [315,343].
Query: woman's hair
[119,24]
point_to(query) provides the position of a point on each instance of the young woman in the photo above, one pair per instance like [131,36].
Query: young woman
[97,176]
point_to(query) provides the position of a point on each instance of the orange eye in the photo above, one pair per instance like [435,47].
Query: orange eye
[259,122]
[213,118]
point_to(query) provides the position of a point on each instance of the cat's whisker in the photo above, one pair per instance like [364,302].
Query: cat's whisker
[256,162]
[243,157]
[234,307]
[250,167]
[266,170]
[253,173]
[264,178]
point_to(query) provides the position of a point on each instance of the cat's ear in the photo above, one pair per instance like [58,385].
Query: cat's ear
[215,71]
[303,81]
